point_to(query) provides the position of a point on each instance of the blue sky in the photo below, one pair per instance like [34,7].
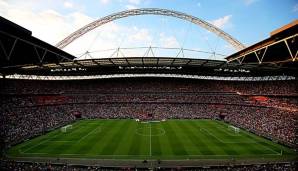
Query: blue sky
[249,21]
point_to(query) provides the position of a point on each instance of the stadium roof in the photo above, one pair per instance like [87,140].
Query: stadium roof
[280,49]
[23,54]
[18,47]
[158,65]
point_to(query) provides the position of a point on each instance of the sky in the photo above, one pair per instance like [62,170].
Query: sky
[248,21]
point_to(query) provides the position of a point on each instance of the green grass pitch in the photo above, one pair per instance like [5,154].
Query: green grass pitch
[171,139]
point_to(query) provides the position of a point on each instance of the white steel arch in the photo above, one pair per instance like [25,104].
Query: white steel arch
[150,11]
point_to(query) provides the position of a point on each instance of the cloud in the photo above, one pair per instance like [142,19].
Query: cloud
[199,4]
[136,2]
[52,26]
[295,8]
[48,25]
[141,35]
[112,36]
[68,4]
[104,2]
[131,6]
[104,37]
[222,22]
[168,41]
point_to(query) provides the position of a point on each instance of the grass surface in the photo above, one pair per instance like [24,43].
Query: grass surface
[172,139]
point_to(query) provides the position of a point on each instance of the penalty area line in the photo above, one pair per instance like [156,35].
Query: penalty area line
[35,153]
[270,149]
[62,141]
[204,130]
[90,133]
[42,142]
[226,142]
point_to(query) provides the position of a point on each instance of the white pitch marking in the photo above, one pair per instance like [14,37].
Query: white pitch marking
[62,141]
[194,155]
[90,133]
[204,130]
[150,141]
[42,142]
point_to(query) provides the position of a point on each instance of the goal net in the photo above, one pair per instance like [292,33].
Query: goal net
[65,128]
[234,129]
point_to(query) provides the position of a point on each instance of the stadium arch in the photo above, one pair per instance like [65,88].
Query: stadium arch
[150,11]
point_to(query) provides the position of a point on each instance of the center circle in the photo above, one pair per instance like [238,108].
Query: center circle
[145,131]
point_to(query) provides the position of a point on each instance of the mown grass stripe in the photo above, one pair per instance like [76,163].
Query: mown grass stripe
[195,138]
[62,148]
[87,144]
[28,144]
[210,141]
[126,140]
[48,145]
[156,148]
[242,144]
[96,147]
[228,148]
[76,144]
[166,149]
[176,145]
[207,146]
[135,145]
[113,141]
[183,134]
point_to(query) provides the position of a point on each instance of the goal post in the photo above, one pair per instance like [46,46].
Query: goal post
[234,129]
[65,128]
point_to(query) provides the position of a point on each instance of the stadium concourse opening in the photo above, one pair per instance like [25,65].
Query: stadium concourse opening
[147,113]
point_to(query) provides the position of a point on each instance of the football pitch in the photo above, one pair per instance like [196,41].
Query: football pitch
[170,139]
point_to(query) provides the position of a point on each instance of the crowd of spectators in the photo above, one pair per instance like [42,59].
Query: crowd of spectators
[109,85]
[18,124]
[266,121]
[283,103]
[173,97]
[155,111]
[285,87]
[28,166]
[30,108]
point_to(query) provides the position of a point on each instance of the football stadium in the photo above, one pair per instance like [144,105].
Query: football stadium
[151,107]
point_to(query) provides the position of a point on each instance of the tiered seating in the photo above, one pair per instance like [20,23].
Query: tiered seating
[31,107]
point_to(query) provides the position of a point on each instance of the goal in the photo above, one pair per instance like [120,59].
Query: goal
[65,128]
[234,129]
